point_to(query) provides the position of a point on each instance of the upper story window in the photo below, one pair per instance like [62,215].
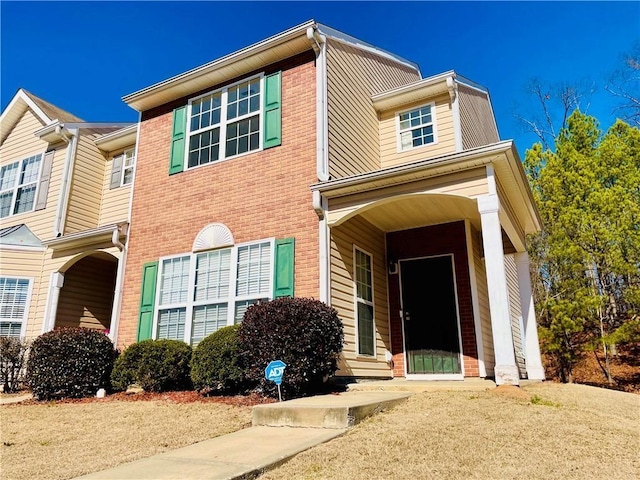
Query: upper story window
[129,161]
[238,119]
[14,298]
[122,168]
[416,127]
[225,123]
[18,184]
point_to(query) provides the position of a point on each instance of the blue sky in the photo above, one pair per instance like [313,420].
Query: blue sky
[84,56]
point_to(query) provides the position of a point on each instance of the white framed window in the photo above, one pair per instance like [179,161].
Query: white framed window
[225,123]
[14,305]
[128,166]
[364,310]
[18,184]
[201,292]
[416,127]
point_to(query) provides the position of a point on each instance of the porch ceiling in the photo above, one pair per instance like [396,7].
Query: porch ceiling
[420,210]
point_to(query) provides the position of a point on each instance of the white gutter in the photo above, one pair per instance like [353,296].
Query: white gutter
[390,172]
[117,294]
[69,160]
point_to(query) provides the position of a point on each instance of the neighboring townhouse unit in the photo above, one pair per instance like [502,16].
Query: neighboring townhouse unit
[65,188]
[313,164]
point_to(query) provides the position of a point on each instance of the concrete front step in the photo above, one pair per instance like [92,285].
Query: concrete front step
[418,386]
[326,411]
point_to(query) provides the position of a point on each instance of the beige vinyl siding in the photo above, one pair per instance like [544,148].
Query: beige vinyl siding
[515,311]
[353,76]
[476,118]
[22,143]
[115,201]
[445,137]
[86,298]
[483,301]
[368,238]
[26,264]
[83,210]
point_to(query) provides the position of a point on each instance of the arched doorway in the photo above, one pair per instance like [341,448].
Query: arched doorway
[86,299]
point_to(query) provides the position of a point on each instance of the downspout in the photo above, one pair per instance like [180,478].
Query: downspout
[69,160]
[117,294]
[322,117]
[322,159]
[452,86]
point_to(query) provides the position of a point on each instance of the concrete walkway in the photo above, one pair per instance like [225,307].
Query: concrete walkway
[279,431]
[418,386]
[15,399]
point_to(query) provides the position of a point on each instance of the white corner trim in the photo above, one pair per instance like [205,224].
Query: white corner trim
[477,320]
[56,281]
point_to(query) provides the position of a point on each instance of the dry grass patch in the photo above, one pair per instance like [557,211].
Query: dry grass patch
[542,431]
[64,440]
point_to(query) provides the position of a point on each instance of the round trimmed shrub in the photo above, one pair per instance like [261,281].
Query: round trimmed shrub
[304,333]
[70,363]
[216,366]
[155,365]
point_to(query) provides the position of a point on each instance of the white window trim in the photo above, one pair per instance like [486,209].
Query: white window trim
[224,122]
[433,122]
[27,304]
[16,186]
[232,297]
[124,167]
[371,303]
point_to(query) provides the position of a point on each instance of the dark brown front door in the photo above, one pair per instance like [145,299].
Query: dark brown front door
[430,316]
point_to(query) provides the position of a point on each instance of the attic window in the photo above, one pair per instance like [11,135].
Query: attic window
[416,127]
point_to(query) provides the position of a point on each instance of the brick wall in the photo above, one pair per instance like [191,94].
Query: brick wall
[258,195]
[424,242]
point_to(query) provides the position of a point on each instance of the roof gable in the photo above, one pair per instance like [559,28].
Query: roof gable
[46,112]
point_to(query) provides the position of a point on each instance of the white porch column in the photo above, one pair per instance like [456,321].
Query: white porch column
[506,371]
[56,281]
[535,370]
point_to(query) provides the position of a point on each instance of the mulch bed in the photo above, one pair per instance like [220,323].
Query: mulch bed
[168,397]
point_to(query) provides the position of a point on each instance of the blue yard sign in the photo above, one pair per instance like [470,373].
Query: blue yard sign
[274,372]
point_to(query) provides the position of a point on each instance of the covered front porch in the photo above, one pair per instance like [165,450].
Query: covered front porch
[428,268]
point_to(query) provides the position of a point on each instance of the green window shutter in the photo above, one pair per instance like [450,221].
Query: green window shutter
[272,111]
[147,300]
[284,268]
[178,135]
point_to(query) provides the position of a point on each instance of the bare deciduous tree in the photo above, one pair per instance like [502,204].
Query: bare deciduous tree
[625,84]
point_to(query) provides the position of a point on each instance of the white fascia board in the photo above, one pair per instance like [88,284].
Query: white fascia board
[85,237]
[420,90]
[348,39]
[20,96]
[471,84]
[118,139]
[251,50]
[454,159]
